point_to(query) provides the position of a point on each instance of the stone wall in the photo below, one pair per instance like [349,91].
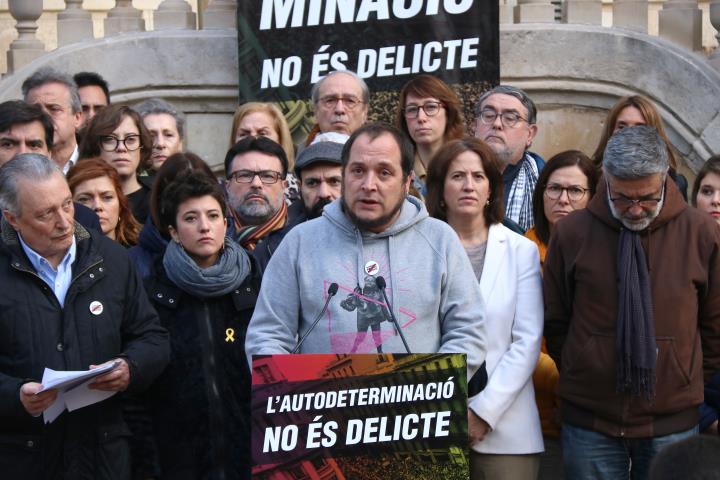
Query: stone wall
[582,72]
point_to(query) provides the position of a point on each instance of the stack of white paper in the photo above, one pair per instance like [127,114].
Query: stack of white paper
[73,391]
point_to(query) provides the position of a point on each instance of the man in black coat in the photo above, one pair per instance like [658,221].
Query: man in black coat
[70,299]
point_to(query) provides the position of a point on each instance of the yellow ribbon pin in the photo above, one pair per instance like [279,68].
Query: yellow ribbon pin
[230,335]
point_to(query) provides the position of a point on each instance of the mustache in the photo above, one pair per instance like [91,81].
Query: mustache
[317,209]
[256,193]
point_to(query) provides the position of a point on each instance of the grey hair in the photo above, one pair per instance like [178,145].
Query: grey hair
[154,106]
[513,92]
[315,92]
[31,166]
[635,152]
[45,75]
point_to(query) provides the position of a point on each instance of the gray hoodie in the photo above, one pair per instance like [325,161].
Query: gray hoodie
[430,285]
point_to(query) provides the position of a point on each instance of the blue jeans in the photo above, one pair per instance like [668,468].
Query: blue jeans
[594,456]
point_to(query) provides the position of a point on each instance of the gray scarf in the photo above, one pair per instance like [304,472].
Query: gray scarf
[226,275]
[635,346]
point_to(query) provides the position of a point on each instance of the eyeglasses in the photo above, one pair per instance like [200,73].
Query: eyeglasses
[575,193]
[110,143]
[268,177]
[430,108]
[508,119]
[350,102]
[623,203]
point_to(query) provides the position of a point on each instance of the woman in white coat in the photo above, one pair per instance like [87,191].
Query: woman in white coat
[465,189]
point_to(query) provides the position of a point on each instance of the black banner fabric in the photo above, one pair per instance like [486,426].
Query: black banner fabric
[286,46]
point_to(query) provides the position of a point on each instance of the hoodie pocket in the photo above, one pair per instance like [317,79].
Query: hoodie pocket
[678,386]
[588,370]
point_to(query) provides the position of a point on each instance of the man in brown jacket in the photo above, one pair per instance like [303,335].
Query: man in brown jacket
[632,313]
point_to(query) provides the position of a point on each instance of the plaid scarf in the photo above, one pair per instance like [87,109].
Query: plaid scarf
[249,236]
[635,346]
[519,203]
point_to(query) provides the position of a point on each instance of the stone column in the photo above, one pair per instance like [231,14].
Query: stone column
[506,12]
[714,58]
[26,47]
[631,14]
[534,11]
[220,14]
[174,14]
[583,11]
[124,18]
[681,22]
[74,24]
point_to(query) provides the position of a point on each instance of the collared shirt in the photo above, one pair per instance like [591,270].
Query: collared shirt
[72,161]
[59,280]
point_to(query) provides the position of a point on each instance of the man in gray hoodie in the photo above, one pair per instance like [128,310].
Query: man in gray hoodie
[374,230]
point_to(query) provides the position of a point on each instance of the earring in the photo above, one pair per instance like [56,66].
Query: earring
[442,203]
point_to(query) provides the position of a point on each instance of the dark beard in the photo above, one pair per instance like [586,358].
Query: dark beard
[316,210]
[371,224]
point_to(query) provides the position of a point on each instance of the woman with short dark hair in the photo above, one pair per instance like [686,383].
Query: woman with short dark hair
[465,189]
[154,235]
[204,292]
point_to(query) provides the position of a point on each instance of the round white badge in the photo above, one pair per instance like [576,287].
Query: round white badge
[372,267]
[96,308]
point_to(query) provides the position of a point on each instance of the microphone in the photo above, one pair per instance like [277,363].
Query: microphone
[331,293]
[380,282]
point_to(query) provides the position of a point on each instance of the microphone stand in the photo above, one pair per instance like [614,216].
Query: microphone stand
[380,282]
[331,293]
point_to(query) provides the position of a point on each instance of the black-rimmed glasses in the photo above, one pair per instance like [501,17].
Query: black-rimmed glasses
[110,143]
[268,177]
[430,108]
[575,193]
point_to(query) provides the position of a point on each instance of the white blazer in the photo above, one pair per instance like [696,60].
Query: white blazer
[511,286]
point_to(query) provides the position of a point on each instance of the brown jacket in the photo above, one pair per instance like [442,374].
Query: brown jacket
[682,248]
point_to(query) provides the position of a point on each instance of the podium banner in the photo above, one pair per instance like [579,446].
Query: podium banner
[360,416]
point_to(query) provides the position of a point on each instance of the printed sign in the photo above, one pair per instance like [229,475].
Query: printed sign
[286,46]
[360,415]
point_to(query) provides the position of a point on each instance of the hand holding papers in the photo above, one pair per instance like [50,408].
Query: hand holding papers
[72,389]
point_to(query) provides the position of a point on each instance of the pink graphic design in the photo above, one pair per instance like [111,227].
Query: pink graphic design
[367,303]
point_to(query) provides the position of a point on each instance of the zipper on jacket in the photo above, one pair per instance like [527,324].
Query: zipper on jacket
[216,435]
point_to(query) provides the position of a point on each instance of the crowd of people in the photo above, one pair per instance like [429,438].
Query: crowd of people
[584,291]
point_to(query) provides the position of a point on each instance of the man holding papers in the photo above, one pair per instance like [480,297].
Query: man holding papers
[70,300]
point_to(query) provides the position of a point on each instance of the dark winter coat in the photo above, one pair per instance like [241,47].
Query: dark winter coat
[37,332]
[200,404]
[682,249]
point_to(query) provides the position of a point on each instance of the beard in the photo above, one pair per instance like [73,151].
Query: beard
[316,210]
[364,224]
[637,224]
[254,212]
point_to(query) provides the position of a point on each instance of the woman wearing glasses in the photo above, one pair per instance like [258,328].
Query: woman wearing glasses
[117,135]
[429,112]
[566,183]
[465,189]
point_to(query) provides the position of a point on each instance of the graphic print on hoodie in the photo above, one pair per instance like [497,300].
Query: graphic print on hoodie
[369,312]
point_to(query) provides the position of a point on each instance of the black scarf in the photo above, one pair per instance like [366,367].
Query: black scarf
[635,346]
